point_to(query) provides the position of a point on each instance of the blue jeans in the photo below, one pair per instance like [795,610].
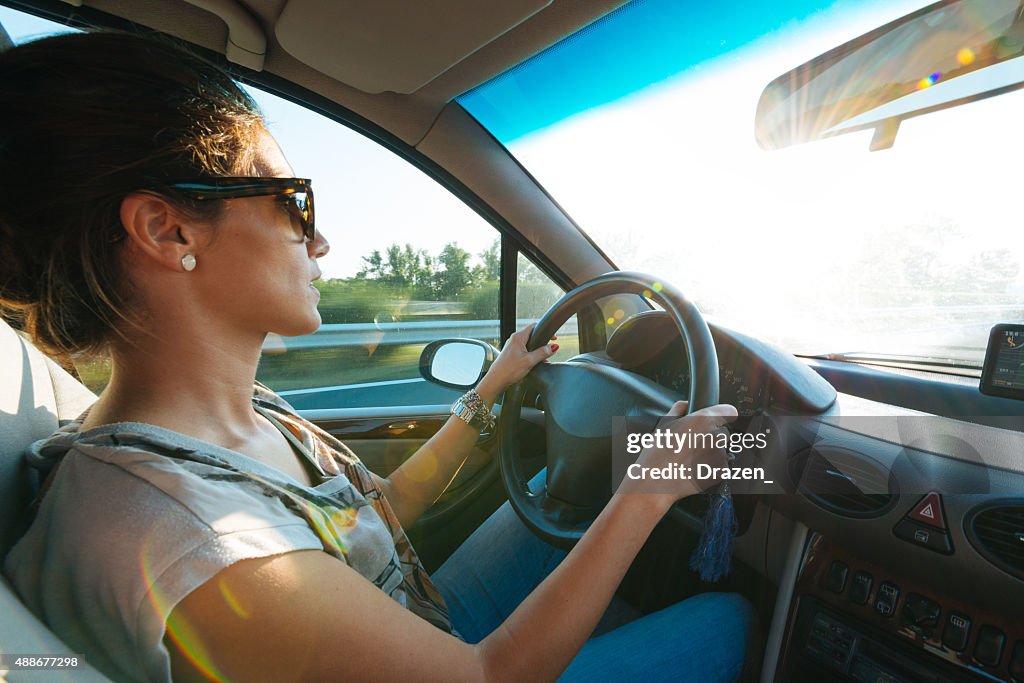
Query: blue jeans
[704,638]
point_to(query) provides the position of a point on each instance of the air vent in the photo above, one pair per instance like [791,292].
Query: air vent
[844,482]
[996,530]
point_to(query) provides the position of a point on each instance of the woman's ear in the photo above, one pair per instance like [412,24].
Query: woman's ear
[156,230]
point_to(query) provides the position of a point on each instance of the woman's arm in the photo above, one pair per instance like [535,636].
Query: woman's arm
[307,616]
[420,480]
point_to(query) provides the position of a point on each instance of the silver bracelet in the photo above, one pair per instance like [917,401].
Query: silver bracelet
[471,409]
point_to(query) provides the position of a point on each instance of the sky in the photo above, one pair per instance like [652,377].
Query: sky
[366,196]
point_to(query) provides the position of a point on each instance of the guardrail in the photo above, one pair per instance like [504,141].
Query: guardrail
[396,334]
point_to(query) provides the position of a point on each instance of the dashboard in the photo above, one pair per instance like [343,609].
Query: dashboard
[913,565]
[753,376]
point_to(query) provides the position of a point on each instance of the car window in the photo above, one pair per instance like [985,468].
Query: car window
[409,263]
[21,27]
[536,293]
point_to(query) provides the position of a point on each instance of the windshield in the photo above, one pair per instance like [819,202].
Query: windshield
[642,127]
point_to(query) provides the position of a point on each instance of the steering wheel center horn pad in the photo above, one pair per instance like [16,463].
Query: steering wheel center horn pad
[581,401]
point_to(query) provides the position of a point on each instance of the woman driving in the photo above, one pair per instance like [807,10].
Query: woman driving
[192,525]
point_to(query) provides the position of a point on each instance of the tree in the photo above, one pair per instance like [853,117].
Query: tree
[490,264]
[408,273]
[402,267]
[456,276]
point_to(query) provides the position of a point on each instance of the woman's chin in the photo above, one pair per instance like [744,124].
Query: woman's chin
[299,328]
[314,322]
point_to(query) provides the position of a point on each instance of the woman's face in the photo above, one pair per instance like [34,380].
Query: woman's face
[259,269]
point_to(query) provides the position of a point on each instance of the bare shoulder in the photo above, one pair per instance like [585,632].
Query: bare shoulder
[307,616]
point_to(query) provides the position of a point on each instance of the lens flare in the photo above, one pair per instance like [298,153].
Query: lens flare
[344,518]
[929,81]
[232,600]
[965,56]
[179,630]
[424,467]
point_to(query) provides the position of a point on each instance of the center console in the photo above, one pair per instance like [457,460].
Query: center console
[852,620]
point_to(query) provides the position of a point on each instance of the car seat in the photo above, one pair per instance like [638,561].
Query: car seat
[35,395]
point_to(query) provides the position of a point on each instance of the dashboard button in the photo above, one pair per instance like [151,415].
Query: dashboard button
[957,631]
[835,580]
[929,511]
[989,648]
[885,601]
[921,612]
[924,536]
[860,588]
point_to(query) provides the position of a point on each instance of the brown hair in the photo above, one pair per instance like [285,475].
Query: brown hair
[88,118]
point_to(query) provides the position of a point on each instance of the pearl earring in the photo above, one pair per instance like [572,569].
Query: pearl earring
[188,262]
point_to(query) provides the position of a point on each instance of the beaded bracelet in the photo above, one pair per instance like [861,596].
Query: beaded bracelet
[471,409]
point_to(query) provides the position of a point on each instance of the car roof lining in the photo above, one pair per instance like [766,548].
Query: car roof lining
[407,115]
[367,44]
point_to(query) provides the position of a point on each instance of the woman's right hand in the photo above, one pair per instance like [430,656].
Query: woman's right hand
[708,421]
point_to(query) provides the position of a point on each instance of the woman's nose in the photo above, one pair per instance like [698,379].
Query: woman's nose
[319,246]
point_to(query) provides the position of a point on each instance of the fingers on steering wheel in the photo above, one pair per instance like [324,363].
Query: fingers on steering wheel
[718,415]
[521,336]
[711,417]
[544,352]
[527,332]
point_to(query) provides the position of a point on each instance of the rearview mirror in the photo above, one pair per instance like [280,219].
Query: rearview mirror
[943,55]
[456,363]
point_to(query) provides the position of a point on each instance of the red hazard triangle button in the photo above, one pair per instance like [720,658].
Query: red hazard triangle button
[929,511]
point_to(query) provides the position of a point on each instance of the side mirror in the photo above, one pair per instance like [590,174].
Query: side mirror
[456,363]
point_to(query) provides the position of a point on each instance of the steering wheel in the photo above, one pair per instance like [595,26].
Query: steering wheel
[580,400]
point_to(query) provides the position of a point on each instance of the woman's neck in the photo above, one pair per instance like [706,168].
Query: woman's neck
[197,385]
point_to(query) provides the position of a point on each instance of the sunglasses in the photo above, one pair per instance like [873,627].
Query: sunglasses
[298,192]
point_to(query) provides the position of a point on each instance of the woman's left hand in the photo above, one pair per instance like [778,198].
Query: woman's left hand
[515,362]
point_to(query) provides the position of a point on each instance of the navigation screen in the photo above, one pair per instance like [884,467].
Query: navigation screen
[1004,362]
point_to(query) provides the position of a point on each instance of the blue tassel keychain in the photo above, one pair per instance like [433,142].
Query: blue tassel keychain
[712,558]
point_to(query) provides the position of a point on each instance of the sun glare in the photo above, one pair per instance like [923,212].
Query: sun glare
[815,246]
